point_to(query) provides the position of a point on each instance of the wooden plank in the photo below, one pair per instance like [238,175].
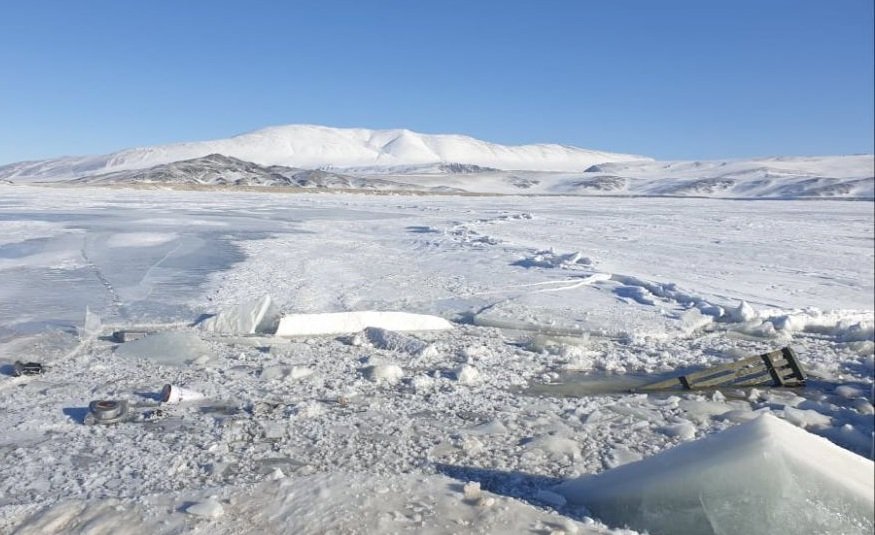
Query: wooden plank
[760,375]
[709,376]
[795,365]
[730,366]
[770,367]
[668,384]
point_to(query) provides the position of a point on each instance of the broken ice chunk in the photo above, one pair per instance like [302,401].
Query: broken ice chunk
[385,373]
[258,316]
[209,508]
[395,341]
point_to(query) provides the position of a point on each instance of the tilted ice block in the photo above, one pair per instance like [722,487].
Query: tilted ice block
[245,318]
[763,476]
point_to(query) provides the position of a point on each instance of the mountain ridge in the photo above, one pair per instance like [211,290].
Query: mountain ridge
[314,146]
[220,170]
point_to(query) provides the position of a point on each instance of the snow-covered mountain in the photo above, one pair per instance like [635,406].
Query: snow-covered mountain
[321,157]
[308,146]
[848,177]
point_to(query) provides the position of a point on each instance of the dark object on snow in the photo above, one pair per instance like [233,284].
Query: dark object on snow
[128,336]
[27,368]
[779,368]
[106,411]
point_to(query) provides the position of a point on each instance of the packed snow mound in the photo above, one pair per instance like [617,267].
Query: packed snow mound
[308,505]
[763,476]
[311,146]
[351,322]
[551,259]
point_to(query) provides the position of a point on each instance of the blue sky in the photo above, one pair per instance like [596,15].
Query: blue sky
[670,79]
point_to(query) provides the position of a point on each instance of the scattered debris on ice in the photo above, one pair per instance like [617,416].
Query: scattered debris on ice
[175,394]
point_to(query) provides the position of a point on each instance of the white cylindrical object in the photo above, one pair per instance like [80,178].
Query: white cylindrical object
[176,394]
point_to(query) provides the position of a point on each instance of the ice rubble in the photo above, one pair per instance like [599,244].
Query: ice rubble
[763,476]
[392,341]
[350,322]
[551,259]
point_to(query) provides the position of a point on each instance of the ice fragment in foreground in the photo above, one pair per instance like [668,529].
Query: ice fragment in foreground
[763,476]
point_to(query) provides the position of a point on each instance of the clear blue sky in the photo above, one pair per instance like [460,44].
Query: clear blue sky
[670,79]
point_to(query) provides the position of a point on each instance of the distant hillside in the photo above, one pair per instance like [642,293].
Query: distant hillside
[219,170]
[307,146]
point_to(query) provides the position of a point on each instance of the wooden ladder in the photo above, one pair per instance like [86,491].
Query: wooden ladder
[779,368]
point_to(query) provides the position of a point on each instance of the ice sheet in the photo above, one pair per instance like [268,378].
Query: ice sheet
[646,302]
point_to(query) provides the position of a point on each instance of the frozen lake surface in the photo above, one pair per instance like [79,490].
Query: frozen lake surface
[539,289]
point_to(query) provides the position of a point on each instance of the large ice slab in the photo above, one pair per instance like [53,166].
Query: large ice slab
[173,348]
[350,322]
[763,476]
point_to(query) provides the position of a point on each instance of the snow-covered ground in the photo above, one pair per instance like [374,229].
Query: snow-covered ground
[468,429]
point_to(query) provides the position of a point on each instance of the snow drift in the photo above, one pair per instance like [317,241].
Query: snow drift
[763,476]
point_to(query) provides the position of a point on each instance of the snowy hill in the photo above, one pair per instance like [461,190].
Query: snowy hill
[784,178]
[313,147]
[219,170]
[846,177]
